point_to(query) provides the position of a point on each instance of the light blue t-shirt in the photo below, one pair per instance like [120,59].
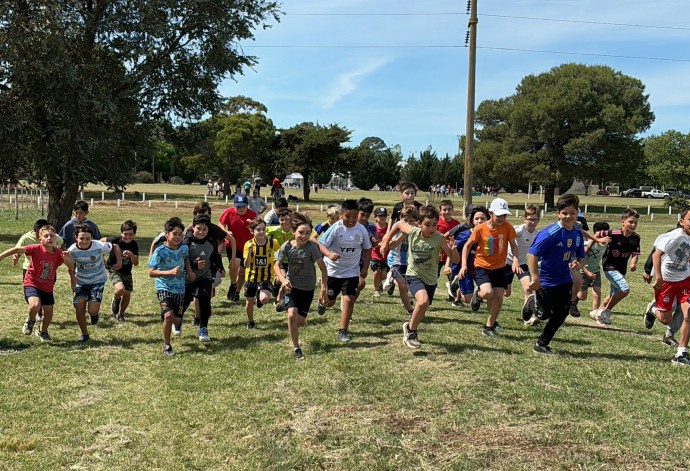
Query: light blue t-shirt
[398,255]
[89,268]
[164,258]
[348,242]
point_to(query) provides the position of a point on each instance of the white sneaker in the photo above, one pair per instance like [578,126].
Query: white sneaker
[176,329]
[377,294]
[449,291]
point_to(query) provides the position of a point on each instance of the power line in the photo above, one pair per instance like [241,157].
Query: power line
[649,58]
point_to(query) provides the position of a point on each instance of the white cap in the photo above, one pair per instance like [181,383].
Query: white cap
[499,207]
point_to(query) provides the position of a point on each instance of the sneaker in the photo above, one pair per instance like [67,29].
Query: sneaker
[670,341]
[115,305]
[496,326]
[298,354]
[605,317]
[94,319]
[649,316]
[251,325]
[410,337]
[236,297]
[388,285]
[121,318]
[489,332]
[475,302]
[177,329]
[320,309]
[682,360]
[28,326]
[83,338]
[196,322]
[528,310]
[342,336]
[203,335]
[39,316]
[232,291]
[449,291]
[377,293]
[533,321]
[574,311]
[282,304]
[168,351]
[43,336]
[543,349]
[457,303]
[595,314]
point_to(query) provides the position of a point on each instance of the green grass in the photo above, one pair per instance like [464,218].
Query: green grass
[610,400]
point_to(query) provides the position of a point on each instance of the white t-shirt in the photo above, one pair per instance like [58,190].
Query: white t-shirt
[523,239]
[676,248]
[89,268]
[348,242]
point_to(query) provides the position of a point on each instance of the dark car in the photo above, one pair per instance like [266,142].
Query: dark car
[682,194]
[603,193]
[632,193]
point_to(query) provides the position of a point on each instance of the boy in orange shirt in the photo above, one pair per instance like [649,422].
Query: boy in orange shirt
[492,238]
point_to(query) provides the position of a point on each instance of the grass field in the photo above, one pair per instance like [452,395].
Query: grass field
[465,401]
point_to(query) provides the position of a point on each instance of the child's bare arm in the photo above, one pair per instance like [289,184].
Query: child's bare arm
[12,251]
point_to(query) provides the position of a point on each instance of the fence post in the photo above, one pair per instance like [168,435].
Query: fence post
[16,204]
[649,209]
[143,197]
[118,202]
[123,196]
[102,195]
[175,204]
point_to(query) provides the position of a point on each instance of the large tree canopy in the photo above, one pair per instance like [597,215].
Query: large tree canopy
[374,163]
[80,79]
[575,121]
[667,159]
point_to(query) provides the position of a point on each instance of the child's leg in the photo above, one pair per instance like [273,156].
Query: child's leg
[404,293]
[676,322]
[376,275]
[93,308]
[295,321]
[124,303]
[264,296]
[168,320]
[619,289]
[494,303]
[526,290]
[347,305]
[47,318]
[577,283]
[249,308]
[421,305]
[596,297]
[555,301]
[34,303]
[204,302]
[197,309]
[80,311]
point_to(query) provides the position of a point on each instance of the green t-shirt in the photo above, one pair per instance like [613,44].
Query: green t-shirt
[30,239]
[593,260]
[422,257]
[278,234]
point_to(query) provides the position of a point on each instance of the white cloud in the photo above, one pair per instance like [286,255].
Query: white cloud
[348,82]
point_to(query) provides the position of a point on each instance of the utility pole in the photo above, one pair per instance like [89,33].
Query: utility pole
[469,124]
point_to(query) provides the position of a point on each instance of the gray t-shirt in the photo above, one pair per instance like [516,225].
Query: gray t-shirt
[301,260]
[202,251]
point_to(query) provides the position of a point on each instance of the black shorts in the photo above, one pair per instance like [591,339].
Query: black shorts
[414,284]
[46,298]
[496,277]
[238,254]
[399,272]
[510,275]
[344,286]
[377,265]
[253,287]
[201,288]
[275,288]
[301,299]
[171,302]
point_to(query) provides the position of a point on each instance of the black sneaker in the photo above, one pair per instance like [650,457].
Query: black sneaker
[236,297]
[251,325]
[457,303]
[528,307]
[320,309]
[342,336]
[196,322]
[43,336]
[281,305]
[496,326]
[475,302]
[168,351]
[94,319]
[298,354]
[649,316]
[83,338]
[670,341]
[121,318]
[390,289]
[542,349]
[489,332]
[574,311]
[682,360]
[115,306]
[232,291]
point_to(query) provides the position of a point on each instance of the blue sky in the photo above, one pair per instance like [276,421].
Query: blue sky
[416,96]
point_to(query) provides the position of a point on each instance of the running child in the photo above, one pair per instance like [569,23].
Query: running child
[525,234]
[89,275]
[408,193]
[300,277]
[621,252]
[366,207]
[39,278]
[259,257]
[281,233]
[332,216]
[446,222]
[397,259]
[68,230]
[169,265]
[492,238]
[591,272]
[236,220]
[425,244]
[122,281]
[351,241]
[555,246]
[461,289]
[379,264]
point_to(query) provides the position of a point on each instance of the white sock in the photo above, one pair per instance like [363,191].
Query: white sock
[681,350]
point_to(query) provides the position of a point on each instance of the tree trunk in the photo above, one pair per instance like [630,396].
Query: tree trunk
[549,195]
[60,202]
[305,187]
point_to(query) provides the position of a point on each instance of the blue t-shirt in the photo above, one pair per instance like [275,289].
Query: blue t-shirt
[556,247]
[164,258]
[461,239]
[89,268]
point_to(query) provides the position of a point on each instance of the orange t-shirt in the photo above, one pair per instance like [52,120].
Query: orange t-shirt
[492,245]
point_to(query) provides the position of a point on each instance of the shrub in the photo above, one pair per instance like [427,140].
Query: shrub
[676,202]
[142,177]
[177,180]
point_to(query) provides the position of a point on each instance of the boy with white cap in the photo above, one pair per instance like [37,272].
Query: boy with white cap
[492,238]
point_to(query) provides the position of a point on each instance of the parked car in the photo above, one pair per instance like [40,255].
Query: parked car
[603,193]
[654,193]
[683,194]
[632,193]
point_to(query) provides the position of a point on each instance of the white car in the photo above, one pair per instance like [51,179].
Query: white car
[654,193]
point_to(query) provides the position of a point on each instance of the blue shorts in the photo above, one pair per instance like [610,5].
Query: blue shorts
[46,298]
[377,265]
[467,284]
[510,274]
[617,280]
[414,284]
[88,293]
[399,271]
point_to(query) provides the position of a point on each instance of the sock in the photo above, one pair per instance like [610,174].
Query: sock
[655,310]
[681,351]
[574,303]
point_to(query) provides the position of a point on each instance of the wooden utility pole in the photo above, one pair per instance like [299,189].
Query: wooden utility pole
[469,125]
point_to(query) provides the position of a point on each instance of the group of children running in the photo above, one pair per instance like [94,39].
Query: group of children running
[556,266]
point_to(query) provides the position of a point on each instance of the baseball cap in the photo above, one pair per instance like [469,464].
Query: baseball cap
[468,210]
[380,211]
[240,200]
[499,207]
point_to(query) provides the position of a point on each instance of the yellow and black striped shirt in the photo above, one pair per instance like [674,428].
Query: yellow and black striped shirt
[260,265]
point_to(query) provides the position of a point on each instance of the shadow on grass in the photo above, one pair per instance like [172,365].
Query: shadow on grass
[455,348]
[318,346]
[614,356]
[233,343]
[9,346]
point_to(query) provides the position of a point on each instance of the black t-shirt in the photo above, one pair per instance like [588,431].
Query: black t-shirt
[395,215]
[215,233]
[126,263]
[619,250]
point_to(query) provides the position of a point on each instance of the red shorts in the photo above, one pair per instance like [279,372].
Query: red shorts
[671,290]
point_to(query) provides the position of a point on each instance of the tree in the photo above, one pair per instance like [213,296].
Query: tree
[374,163]
[420,170]
[99,72]
[313,149]
[667,159]
[575,121]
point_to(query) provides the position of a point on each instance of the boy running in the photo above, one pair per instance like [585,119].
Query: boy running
[397,258]
[259,255]
[379,265]
[123,285]
[591,272]
[524,236]
[68,231]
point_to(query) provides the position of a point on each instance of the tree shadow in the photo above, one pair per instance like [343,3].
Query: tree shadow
[318,346]
[10,346]
[454,348]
